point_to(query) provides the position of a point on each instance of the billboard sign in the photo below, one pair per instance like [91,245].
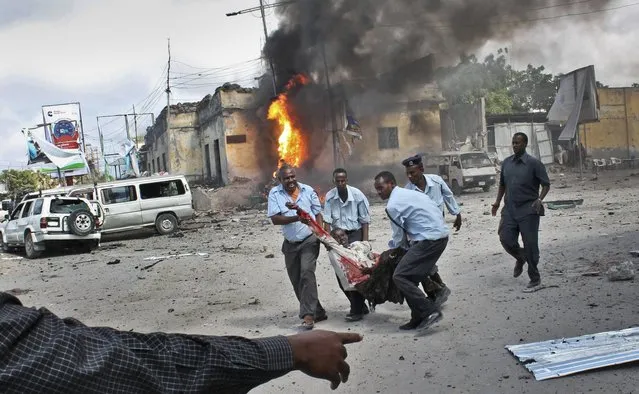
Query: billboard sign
[63,125]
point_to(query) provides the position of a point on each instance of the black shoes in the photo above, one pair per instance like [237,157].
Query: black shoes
[353,317]
[534,283]
[411,325]
[429,321]
[422,324]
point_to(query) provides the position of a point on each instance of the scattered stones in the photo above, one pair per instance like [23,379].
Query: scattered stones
[254,301]
[621,271]
[17,292]
[176,235]
[270,256]
[113,262]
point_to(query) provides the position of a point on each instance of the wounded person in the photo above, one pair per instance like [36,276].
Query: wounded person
[379,287]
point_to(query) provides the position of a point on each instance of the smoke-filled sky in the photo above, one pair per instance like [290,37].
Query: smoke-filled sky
[109,55]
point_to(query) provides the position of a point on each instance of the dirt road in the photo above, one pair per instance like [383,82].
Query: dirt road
[227,276]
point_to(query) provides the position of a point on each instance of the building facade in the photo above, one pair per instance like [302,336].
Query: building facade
[617,132]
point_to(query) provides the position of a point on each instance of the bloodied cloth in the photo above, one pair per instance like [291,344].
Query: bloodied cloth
[378,285]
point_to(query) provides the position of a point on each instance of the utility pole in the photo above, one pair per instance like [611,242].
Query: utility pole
[135,125]
[331,110]
[168,90]
[270,62]
[261,8]
[97,119]
[126,123]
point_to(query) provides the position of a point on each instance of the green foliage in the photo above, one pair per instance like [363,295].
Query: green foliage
[499,102]
[20,181]
[505,89]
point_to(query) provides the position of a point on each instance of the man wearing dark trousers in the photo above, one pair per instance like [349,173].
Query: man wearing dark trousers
[347,208]
[300,247]
[436,188]
[418,225]
[521,177]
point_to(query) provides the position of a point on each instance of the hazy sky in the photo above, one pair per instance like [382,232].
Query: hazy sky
[110,55]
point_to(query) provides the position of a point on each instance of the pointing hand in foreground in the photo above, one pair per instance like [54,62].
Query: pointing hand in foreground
[322,354]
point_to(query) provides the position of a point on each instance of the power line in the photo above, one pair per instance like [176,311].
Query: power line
[522,21]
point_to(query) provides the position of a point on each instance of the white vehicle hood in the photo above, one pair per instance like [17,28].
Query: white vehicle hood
[482,171]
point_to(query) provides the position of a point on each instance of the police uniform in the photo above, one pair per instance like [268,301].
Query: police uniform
[433,284]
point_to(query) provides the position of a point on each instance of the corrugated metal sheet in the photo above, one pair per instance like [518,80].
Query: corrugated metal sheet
[562,357]
[539,142]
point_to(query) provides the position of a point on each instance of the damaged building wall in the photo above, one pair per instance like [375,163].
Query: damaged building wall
[462,121]
[617,132]
[176,151]
[228,135]
[400,132]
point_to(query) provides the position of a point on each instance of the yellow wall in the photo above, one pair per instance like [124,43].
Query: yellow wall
[617,132]
[242,158]
[418,131]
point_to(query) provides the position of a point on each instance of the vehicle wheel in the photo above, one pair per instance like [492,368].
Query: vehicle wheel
[456,189]
[29,247]
[81,222]
[166,224]
[486,188]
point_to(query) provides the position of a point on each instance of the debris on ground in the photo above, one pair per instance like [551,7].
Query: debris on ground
[152,265]
[270,256]
[17,292]
[634,253]
[113,262]
[254,301]
[621,271]
[176,234]
[537,288]
[111,246]
[564,204]
[563,357]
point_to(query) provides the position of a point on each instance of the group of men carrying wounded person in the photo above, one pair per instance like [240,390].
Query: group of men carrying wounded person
[419,232]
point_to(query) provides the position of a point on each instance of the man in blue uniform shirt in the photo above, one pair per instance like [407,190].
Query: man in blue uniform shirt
[347,208]
[417,225]
[300,247]
[436,188]
[520,179]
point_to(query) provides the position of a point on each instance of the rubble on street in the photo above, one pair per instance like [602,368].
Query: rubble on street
[225,276]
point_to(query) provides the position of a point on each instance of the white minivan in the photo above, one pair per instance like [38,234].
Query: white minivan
[159,202]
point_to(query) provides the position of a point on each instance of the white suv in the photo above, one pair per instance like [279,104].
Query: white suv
[41,223]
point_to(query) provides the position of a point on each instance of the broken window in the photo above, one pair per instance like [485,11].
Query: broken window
[236,139]
[387,138]
[118,195]
[67,206]
[162,189]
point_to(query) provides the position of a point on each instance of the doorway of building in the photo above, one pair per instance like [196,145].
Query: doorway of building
[218,162]
[207,158]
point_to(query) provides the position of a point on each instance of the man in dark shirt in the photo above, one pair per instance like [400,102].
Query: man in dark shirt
[521,176]
[41,353]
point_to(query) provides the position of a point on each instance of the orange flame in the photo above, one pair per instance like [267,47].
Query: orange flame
[291,147]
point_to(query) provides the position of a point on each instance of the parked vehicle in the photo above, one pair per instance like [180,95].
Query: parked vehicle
[42,223]
[463,170]
[5,209]
[159,202]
